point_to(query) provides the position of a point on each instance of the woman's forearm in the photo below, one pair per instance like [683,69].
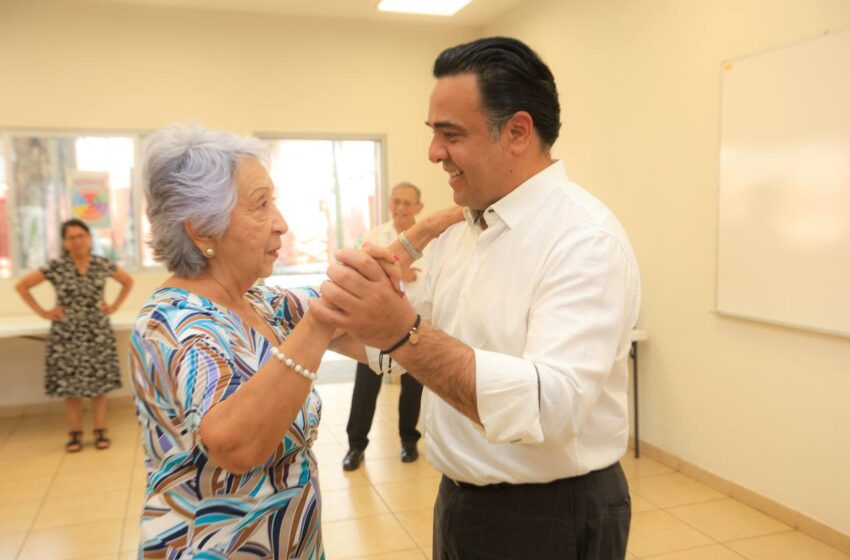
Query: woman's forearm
[424,231]
[243,431]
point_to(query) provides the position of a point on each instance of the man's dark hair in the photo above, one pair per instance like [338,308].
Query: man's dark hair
[74,222]
[511,77]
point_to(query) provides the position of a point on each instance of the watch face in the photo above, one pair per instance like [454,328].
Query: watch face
[414,337]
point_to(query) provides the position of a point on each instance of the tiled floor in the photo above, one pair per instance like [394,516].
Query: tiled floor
[56,506]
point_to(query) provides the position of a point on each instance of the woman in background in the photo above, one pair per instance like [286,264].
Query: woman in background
[82,360]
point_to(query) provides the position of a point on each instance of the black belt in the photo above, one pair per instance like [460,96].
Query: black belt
[507,485]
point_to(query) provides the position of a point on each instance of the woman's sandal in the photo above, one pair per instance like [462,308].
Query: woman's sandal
[75,444]
[100,439]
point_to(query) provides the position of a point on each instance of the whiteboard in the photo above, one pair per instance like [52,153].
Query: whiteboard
[784,196]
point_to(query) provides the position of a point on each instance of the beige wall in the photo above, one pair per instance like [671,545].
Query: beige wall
[765,407]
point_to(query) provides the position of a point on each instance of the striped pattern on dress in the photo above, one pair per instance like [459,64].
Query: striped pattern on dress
[187,354]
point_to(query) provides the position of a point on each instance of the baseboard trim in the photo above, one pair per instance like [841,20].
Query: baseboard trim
[803,523]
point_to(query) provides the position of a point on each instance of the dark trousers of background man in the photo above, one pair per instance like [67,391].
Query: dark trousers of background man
[366,387]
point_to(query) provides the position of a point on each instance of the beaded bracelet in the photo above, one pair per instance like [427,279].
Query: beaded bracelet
[290,363]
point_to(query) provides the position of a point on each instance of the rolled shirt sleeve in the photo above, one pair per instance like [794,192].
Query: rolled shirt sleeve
[580,313]
[507,393]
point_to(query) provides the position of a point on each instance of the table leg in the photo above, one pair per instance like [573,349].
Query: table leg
[634,355]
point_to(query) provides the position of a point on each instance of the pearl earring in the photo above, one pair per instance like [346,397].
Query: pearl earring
[209,252]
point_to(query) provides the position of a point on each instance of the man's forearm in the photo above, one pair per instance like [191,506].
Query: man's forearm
[445,365]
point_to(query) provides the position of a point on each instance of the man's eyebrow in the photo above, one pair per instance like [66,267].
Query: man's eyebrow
[442,125]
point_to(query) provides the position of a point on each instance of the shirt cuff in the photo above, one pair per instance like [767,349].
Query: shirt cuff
[507,390]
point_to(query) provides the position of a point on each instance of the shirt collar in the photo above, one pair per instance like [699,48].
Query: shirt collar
[525,199]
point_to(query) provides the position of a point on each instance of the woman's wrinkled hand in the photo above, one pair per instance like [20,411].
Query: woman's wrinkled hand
[55,314]
[388,262]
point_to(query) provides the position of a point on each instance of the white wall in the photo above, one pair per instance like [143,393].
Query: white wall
[83,66]
[763,406]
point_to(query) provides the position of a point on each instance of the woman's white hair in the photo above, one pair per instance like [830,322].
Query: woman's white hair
[189,177]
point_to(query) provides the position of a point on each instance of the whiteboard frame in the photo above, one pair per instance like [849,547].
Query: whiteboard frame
[812,329]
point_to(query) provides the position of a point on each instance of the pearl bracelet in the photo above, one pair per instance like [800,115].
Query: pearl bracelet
[290,363]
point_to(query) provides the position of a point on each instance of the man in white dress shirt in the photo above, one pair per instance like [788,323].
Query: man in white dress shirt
[524,348]
[404,204]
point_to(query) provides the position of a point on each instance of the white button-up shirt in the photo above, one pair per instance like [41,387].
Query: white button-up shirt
[546,296]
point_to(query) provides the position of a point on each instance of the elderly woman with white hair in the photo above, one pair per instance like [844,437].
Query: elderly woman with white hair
[223,370]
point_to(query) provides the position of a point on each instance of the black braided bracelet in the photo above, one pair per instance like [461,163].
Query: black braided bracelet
[411,334]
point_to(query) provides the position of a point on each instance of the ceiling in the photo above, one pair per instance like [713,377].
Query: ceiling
[477,13]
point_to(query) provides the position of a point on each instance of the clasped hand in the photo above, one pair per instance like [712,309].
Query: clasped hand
[364,297]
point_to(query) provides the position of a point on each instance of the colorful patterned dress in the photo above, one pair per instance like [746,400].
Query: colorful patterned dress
[81,357]
[187,354]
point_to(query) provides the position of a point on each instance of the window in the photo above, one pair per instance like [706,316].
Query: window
[53,178]
[329,192]
[328,189]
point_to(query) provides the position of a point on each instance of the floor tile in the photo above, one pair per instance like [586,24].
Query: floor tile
[419,523]
[330,453]
[382,511]
[644,466]
[364,537]
[668,490]
[334,478]
[73,542]
[116,457]
[640,504]
[10,544]
[18,517]
[793,545]
[14,469]
[655,532]
[713,552]
[79,509]
[77,483]
[409,495]
[351,503]
[135,502]
[727,520]
[130,533]
[22,490]
[380,471]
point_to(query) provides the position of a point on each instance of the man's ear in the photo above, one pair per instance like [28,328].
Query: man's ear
[200,241]
[520,131]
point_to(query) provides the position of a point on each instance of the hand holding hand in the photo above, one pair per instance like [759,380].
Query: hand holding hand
[55,314]
[388,262]
[360,299]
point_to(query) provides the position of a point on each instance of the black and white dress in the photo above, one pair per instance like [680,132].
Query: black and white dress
[82,360]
